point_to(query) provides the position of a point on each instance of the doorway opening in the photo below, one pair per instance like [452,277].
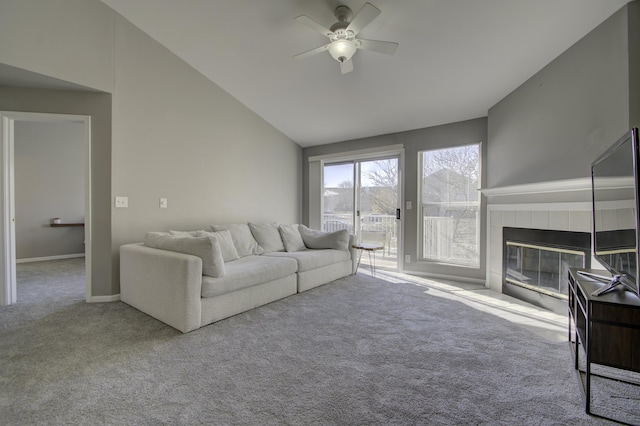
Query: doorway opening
[363,197]
[77,225]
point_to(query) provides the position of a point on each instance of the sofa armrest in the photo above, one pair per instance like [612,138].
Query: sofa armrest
[164,284]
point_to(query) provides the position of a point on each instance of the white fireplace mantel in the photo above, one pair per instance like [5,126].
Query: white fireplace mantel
[557,191]
[566,185]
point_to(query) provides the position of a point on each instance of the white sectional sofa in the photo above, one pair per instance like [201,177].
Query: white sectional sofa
[194,278]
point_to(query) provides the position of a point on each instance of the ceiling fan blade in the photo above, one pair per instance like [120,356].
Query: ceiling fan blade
[312,51]
[367,14]
[305,20]
[346,66]
[387,47]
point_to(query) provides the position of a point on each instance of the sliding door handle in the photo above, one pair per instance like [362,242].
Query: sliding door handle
[398,214]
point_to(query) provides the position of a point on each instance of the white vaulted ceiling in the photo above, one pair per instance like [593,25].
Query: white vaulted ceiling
[456,58]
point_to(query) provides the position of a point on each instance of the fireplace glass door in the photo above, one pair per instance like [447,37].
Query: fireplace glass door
[542,269]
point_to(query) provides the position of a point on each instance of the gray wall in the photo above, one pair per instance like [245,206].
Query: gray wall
[456,134]
[555,124]
[172,133]
[633,25]
[71,40]
[49,170]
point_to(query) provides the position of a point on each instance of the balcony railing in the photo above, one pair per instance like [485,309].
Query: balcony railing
[450,240]
[375,223]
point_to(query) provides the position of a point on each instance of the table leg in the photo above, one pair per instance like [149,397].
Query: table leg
[374,262]
[358,265]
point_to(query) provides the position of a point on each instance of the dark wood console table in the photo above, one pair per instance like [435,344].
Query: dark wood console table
[607,327]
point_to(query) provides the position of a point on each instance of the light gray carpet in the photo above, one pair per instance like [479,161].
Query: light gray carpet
[356,351]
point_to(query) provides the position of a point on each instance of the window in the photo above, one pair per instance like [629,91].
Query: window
[450,218]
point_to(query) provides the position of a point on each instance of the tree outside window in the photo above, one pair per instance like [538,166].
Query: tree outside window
[381,181]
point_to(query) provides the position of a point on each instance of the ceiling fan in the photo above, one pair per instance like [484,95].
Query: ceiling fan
[342,34]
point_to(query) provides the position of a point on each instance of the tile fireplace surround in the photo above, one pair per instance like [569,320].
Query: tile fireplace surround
[559,205]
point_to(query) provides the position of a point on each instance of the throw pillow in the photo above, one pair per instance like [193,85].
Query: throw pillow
[338,240]
[267,235]
[291,238]
[242,238]
[229,251]
[206,248]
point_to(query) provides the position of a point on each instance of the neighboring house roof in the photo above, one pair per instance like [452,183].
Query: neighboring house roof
[447,185]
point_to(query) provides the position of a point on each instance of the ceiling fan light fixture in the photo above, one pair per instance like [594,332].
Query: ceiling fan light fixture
[342,50]
[342,36]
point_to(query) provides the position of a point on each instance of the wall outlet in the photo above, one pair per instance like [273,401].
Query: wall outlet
[122,202]
[163,203]
[407,258]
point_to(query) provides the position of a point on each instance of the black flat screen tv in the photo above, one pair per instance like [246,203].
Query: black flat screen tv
[614,177]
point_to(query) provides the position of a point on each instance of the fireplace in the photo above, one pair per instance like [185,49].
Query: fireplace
[536,261]
[559,206]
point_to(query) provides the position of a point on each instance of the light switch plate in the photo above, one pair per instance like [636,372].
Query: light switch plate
[163,203]
[409,205]
[122,202]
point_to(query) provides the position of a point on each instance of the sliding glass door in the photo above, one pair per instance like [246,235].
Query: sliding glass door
[363,197]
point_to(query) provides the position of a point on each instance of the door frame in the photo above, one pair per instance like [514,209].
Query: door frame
[395,151]
[7,195]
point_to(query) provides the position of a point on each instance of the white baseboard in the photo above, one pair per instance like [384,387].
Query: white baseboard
[44,259]
[104,299]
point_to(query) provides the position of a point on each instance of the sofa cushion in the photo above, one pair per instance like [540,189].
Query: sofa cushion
[338,240]
[242,238]
[246,272]
[184,233]
[312,259]
[206,248]
[227,246]
[291,238]
[267,235]
[229,252]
